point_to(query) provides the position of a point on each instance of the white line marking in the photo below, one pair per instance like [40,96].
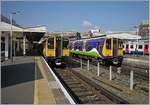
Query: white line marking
[61,86]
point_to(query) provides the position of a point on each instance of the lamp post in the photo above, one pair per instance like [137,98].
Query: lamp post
[136,39]
[11,34]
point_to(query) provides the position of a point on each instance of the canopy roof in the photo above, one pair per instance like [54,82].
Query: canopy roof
[124,36]
[7,27]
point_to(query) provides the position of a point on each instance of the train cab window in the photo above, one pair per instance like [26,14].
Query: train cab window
[122,46]
[140,46]
[146,46]
[65,43]
[51,43]
[108,44]
[131,46]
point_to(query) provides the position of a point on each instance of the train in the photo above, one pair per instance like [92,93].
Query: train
[130,47]
[55,50]
[107,50]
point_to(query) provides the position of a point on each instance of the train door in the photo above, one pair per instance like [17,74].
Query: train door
[127,49]
[58,46]
[140,49]
[65,49]
[50,49]
[115,47]
[146,50]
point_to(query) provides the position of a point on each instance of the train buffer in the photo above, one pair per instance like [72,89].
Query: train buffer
[27,80]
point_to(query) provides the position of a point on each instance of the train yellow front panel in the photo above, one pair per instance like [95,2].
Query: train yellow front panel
[120,52]
[65,52]
[50,53]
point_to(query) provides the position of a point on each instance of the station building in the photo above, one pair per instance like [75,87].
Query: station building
[16,40]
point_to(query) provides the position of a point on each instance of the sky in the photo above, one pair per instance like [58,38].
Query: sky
[78,15]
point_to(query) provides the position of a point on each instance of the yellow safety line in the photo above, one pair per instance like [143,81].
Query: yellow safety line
[36,95]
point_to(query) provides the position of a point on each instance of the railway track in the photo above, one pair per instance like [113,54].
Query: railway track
[84,91]
[140,72]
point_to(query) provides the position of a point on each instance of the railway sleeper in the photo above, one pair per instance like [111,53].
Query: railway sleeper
[75,86]
[72,82]
[84,93]
[79,89]
[92,99]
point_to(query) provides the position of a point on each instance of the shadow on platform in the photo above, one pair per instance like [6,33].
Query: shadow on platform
[19,73]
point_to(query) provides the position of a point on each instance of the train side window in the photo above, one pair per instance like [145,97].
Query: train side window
[108,44]
[99,46]
[140,46]
[51,43]
[146,46]
[89,47]
[131,46]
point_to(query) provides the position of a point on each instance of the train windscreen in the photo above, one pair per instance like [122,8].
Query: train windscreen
[108,44]
[51,43]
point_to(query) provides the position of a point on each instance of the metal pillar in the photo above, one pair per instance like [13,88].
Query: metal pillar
[81,63]
[98,73]
[18,46]
[88,64]
[11,38]
[24,45]
[131,79]
[110,72]
[6,46]
[14,46]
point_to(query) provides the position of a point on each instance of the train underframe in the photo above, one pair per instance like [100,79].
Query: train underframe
[57,61]
[107,61]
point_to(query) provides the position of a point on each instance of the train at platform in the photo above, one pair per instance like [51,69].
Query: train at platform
[55,49]
[130,47]
[106,50]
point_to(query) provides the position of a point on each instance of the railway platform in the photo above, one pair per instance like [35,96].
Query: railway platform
[27,80]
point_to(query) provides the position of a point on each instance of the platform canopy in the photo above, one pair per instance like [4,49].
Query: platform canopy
[125,36]
[7,27]
[32,33]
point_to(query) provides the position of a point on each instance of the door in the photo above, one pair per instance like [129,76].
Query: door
[58,46]
[115,47]
[127,49]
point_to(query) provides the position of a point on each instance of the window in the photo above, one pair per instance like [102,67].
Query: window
[140,46]
[51,43]
[108,44]
[90,48]
[120,44]
[131,46]
[127,46]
